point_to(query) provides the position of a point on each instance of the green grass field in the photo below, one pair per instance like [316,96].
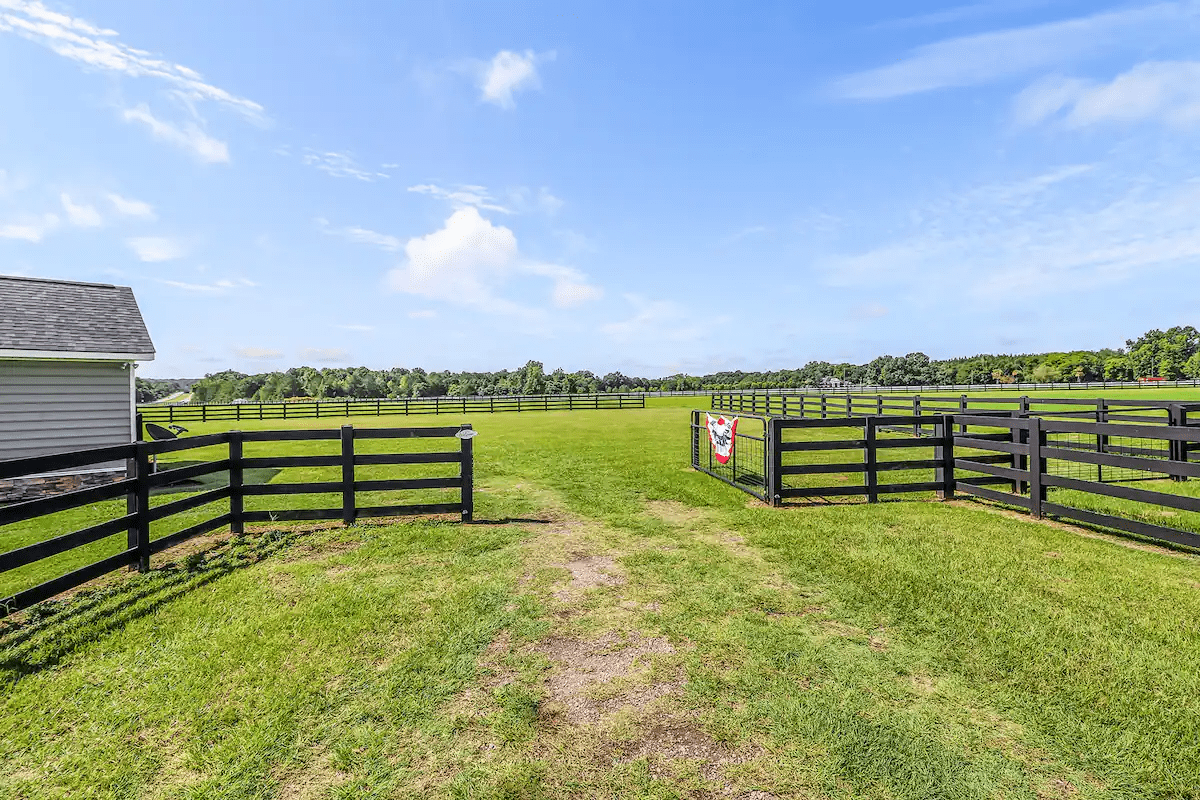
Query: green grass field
[616,625]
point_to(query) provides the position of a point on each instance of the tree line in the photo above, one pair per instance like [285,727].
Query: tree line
[1170,354]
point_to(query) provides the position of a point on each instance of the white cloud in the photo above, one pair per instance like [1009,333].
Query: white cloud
[81,216]
[189,136]
[469,258]
[29,228]
[156,248]
[510,72]
[131,208]
[98,49]
[328,355]
[462,196]
[570,285]
[980,58]
[1165,91]
[459,263]
[258,353]
[340,165]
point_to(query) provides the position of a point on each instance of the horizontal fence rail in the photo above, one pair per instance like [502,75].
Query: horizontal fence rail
[142,476]
[315,409]
[1081,470]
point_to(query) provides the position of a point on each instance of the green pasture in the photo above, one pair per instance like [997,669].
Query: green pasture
[900,650]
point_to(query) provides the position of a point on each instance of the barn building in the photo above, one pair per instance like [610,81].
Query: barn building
[68,351]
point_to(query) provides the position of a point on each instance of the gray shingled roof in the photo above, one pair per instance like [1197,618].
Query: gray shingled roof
[40,314]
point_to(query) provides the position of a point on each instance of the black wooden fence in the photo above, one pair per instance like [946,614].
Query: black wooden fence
[314,409]
[824,406]
[1041,465]
[141,477]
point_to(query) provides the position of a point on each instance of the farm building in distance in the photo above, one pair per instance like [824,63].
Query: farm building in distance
[68,351]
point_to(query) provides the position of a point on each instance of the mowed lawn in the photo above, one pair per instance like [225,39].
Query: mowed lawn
[619,626]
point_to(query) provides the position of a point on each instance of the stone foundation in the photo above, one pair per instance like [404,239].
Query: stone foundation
[15,490]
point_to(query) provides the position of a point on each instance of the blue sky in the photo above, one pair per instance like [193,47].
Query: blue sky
[644,187]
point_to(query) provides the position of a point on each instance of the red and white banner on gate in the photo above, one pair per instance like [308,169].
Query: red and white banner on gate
[722,433]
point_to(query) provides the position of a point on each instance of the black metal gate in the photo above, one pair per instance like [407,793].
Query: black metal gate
[747,465]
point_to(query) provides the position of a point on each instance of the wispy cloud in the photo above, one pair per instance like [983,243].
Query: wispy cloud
[325,355]
[80,215]
[189,136]
[508,73]
[362,236]
[424,313]
[258,353]
[985,57]
[156,248]
[219,287]
[340,165]
[131,208]
[753,230]
[962,13]
[460,196]
[1159,91]
[654,321]
[99,49]
[29,228]
[993,238]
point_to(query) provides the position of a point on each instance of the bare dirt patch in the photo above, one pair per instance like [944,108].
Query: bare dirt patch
[586,680]
[1057,789]
[314,781]
[673,512]
[668,742]
[588,573]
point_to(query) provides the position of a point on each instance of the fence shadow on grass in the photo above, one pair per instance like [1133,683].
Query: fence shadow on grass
[53,630]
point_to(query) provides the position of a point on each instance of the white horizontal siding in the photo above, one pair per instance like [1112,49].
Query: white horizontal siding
[55,406]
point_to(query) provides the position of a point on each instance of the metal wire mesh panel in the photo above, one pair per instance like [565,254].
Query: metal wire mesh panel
[746,466]
[1095,443]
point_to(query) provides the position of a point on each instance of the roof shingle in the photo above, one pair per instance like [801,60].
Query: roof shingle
[66,316]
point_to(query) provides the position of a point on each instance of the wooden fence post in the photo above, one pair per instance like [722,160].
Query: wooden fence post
[1037,466]
[870,464]
[1177,451]
[943,453]
[823,405]
[917,413]
[1101,439]
[348,510]
[467,472]
[139,535]
[962,409]
[236,477]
